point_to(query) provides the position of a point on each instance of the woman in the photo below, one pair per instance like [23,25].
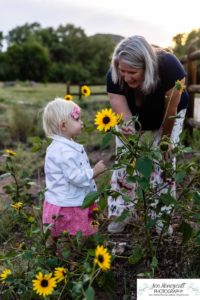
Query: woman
[141,82]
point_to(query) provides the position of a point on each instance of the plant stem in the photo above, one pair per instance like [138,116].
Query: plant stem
[148,238]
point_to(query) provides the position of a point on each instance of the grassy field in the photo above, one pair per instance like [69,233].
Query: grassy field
[21,120]
[38,94]
[20,106]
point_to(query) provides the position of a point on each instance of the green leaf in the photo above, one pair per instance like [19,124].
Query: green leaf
[186,230]
[102,202]
[136,255]
[52,262]
[151,223]
[28,254]
[197,216]
[90,293]
[180,176]
[198,240]
[123,216]
[65,254]
[167,199]
[89,199]
[143,182]
[130,169]
[126,198]
[154,262]
[196,197]
[106,140]
[145,166]
[89,129]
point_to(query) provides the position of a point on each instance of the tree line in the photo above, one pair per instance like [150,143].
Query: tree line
[54,55]
[65,53]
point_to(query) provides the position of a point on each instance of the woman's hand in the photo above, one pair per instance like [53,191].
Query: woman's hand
[166,147]
[127,128]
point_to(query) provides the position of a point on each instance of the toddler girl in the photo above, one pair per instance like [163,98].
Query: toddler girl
[68,174]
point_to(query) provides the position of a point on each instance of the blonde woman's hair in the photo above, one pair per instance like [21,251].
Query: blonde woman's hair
[136,52]
[55,112]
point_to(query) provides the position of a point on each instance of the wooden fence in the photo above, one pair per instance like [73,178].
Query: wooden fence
[190,62]
[70,86]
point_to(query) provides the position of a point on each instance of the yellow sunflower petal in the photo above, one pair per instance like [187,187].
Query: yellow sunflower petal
[4,275]
[60,274]
[68,97]
[10,152]
[105,119]
[85,90]
[179,86]
[17,205]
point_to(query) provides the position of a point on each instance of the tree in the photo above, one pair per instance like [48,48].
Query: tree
[184,40]
[23,33]
[29,61]
[1,40]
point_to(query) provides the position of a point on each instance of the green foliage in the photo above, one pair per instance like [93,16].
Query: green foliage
[28,61]
[183,41]
[72,54]
[139,155]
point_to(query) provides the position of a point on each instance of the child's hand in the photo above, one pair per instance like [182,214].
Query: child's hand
[99,168]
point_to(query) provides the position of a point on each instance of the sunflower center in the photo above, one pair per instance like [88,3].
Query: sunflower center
[106,120]
[100,258]
[84,91]
[44,283]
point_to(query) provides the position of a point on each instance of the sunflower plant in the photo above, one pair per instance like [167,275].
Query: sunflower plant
[155,204]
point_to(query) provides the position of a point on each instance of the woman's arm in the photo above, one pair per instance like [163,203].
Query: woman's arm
[120,106]
[172,99]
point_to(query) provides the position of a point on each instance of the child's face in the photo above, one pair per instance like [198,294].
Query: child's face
[72,127]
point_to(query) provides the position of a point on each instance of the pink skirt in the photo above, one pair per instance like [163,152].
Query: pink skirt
[70,219]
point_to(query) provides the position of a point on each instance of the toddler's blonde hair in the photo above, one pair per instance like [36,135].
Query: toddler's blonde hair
[56,112]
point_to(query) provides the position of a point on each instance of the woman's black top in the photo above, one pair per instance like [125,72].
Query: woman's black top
[151,112]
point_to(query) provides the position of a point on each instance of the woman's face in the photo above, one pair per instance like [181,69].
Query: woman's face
[132,76]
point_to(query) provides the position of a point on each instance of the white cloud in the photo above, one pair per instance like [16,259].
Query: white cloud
[158,21]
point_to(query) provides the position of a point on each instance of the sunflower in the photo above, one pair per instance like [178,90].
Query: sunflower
[4,275]
[60,274]
[10,152]
[85,90]
[102,258]
[44,284]
[17,205]
[105,119]
[68,97]
[179,86]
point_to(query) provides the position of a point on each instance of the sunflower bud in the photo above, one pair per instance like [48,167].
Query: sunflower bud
[133,163]
[164,146]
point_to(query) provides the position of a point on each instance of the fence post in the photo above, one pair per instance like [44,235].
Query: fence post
[68,87]
[191,68]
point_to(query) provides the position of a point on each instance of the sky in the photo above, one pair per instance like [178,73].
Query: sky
[157,20]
